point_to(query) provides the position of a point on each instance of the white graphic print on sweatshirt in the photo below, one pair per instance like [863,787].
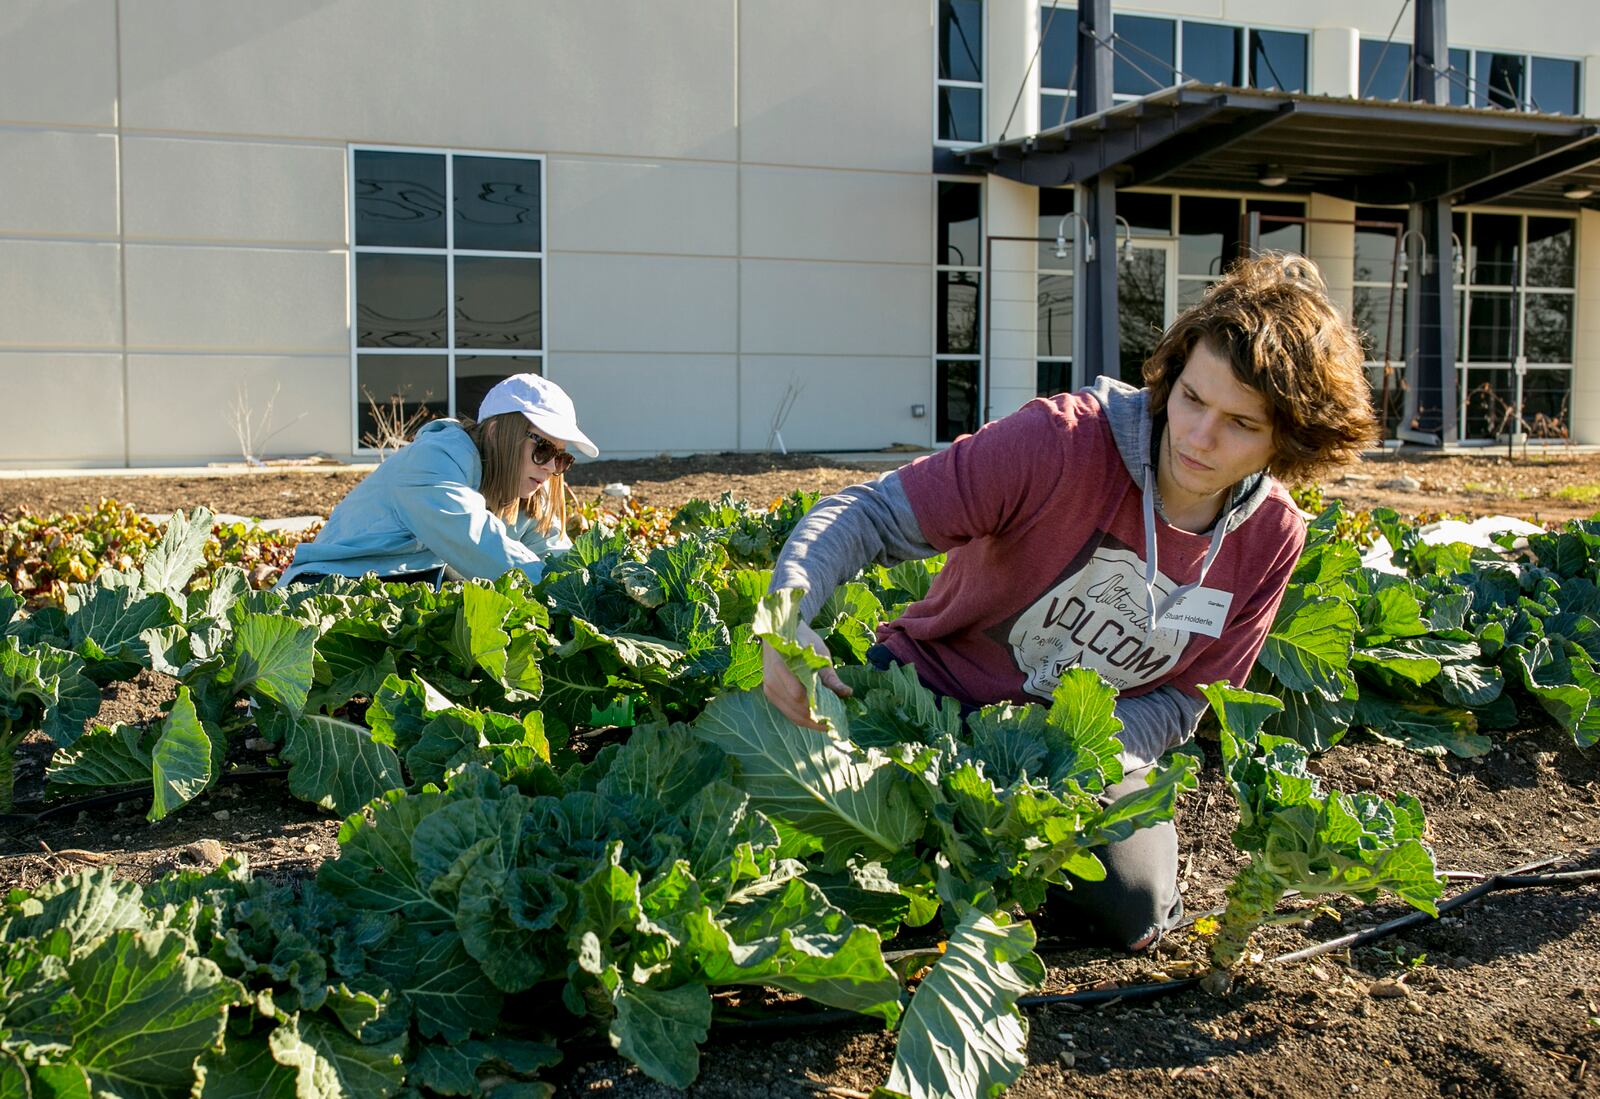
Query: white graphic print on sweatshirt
[1096,617]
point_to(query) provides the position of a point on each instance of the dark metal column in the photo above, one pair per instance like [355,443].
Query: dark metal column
[1431,413]
[1101,350]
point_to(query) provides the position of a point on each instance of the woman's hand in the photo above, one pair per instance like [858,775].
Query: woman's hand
[785,692]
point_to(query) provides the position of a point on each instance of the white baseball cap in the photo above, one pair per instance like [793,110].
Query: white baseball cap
[544,403]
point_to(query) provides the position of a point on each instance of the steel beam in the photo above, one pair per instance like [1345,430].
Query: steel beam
[1432,403]
[1179,152]
[1458,174]
[1577,156]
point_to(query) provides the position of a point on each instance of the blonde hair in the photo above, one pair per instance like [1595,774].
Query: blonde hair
[1271,318]
[499,441]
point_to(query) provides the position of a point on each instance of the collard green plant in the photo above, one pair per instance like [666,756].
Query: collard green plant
[1299,837]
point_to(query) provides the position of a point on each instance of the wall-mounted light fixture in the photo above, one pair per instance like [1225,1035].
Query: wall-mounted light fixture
[1127,241]
[1062,251]
[1405,255]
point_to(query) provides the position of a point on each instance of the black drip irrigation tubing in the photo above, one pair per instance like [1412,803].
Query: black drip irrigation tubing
[1518,877]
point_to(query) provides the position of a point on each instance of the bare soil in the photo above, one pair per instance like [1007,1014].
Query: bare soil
[1500,998]
[1549,486]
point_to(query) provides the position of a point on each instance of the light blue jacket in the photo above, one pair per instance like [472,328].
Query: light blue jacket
[421,509]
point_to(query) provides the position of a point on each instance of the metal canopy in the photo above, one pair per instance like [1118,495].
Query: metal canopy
[1374,152]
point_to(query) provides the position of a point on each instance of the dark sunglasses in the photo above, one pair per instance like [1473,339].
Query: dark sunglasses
[545,452]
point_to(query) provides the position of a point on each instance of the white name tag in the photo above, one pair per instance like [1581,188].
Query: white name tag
[1202,610]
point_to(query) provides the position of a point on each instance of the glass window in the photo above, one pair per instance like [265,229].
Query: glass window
[1208,234]
[1052,378]
[1379,313]
[960,114]
[956,405]
[399,199]
[1550,251]
[477,374]
[957,313]
[1496,244]
[1492,328]
[960,237]
[1547,328]
[1149,215]
[1058,47]
[1491,403]
[497,204]
[400,300]
[1385,69]
[1375,244]
[1499,80]
[398,388]
[1388,395]
[1054,204]
[1146,54]
[1279,236]
[1278,60]
[961,40]
[422,224]
[1460,70]
[497,302]
[1056,110]
[1055,315]
[1555,85]
[1212,54]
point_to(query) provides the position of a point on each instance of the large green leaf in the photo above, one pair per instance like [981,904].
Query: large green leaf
[376,870]
[180,760]
[148,1010]
[449,994]
[77,698]
[455,1069]
[963,1036]
[813,780]
[660,1030]
[1310,643]
[815,952]
[332,763]
[102,757]
[329,1064]
[106,624]
[273,657]
[87,906]
[182,550]
[1422,726]
[245,1069]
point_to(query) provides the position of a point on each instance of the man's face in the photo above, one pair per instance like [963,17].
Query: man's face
[1219,430]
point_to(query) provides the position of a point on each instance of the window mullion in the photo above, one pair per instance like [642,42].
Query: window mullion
[450,282]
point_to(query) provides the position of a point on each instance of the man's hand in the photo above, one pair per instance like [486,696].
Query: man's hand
[784,691]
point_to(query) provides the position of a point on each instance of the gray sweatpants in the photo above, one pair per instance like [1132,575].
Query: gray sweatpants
[1140,892]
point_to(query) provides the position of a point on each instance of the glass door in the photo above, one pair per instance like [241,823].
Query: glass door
[1147,300]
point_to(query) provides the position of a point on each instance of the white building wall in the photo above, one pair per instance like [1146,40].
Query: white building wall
[1586,337]
[738,200]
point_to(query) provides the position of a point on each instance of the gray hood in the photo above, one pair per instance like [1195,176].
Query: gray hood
[1128,410]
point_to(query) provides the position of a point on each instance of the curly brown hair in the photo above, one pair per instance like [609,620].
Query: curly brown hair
[1271,318]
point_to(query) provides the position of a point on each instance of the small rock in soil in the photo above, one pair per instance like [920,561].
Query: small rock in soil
[207,853]
[1400,484]
[1388,990]
[221,814]
[260,744]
